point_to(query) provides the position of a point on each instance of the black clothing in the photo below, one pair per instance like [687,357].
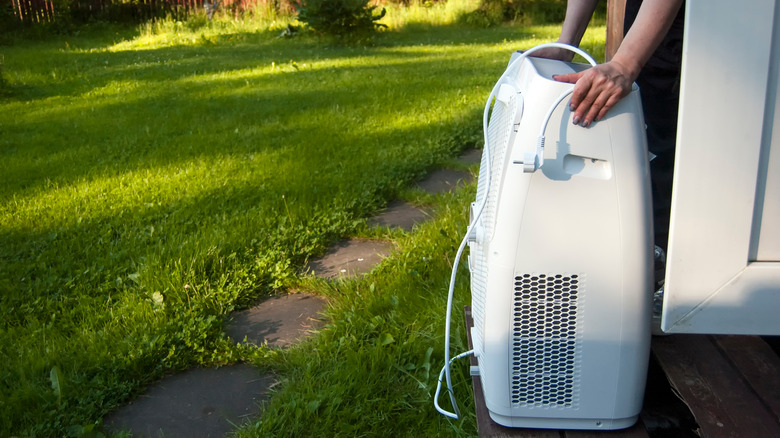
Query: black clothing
[659,86]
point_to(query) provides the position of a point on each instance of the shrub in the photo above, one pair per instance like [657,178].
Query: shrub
[340,18]
[493,12]
[8,22]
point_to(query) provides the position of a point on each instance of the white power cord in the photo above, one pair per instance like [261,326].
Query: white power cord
[535,160]
[539,158]
[454,415]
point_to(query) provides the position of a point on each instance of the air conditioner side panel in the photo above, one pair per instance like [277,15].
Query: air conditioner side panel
[587,225]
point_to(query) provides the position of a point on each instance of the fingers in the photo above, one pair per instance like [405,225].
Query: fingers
[594,106]
[570,78]
[582,99]
[612,101]
[596,91]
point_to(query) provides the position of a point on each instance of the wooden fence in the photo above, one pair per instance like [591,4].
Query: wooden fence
[32,11]
[39,11]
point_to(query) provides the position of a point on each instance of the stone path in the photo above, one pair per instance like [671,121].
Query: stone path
[444,180]
[199,402]
[401,215]
[279,321]
[213,402]
[349,258]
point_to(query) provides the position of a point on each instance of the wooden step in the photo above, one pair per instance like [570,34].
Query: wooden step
[730,384]
[487,428]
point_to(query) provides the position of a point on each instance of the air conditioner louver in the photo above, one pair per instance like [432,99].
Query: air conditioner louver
[500,129]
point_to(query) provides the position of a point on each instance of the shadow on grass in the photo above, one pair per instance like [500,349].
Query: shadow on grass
[172,105]
[257,153]
[115,239]
[320,136]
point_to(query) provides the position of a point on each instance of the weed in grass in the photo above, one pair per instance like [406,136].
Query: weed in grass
[375,365]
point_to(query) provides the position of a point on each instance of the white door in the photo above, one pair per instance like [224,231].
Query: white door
[723,270]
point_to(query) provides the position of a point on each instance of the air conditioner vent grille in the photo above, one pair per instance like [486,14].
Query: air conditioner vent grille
[545,356]
[499,133]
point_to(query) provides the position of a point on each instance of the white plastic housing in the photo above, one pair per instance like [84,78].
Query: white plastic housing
[561,261]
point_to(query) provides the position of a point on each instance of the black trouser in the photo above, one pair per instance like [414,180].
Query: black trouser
[659,86]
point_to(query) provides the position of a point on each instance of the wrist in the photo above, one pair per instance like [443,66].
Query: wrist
[564,54]
[565,40]
[629,65]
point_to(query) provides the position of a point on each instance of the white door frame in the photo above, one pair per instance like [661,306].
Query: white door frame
[723,265]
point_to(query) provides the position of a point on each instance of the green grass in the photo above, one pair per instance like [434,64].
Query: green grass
[157,178]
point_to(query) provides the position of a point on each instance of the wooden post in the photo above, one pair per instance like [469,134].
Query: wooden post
[616,11]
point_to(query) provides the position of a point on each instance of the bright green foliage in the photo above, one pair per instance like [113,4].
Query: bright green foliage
[341,18]
[156,179]
[373,370]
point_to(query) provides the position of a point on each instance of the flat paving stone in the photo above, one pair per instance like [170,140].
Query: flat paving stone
[400,215]
[444,180]
[350,258]
[201,402]
[471,156]
[279,321]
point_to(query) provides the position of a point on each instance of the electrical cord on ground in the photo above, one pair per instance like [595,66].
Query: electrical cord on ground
[454,415]
[485,119]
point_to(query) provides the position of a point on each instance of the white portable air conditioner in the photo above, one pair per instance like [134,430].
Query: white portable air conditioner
[560,256]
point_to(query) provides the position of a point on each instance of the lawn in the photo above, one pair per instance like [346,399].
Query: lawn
[156,178]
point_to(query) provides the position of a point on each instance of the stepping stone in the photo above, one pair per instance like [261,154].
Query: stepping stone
[400,215]
[202,402]
[471,156]
[279,321]
[444,180]
[350,258]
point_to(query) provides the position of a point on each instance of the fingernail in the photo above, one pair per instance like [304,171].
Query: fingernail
[586,123]
[571,107]
[575,120]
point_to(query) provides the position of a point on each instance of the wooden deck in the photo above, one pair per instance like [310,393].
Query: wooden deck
[728,386]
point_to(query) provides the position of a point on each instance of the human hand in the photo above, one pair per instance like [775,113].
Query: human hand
[554,53]
[597,90]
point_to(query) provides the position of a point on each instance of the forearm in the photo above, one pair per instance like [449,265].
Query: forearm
[578,14]
[653,21]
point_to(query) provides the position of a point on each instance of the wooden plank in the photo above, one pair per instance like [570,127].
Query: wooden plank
[638,430]
[759,366]
[616,12]
[23,10]
[486,427]
[723,404]
[17,7]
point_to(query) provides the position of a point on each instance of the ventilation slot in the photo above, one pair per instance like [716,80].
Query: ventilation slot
[499,132]
[545,353]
